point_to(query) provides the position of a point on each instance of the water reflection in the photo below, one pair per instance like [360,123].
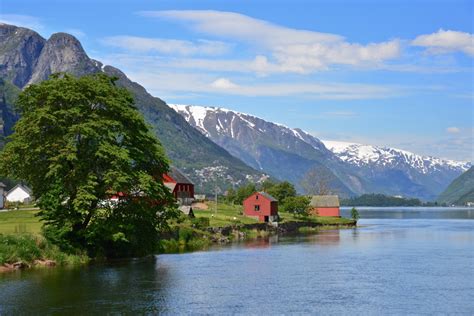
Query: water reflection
[420,263]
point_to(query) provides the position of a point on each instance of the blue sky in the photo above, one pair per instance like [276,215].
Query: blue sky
[397,73]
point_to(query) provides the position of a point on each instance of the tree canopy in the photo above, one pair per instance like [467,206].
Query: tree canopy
[78,142]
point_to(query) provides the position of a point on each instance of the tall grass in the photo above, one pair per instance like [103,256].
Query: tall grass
[27,248]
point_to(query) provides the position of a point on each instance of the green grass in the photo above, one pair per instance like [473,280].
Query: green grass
[226,213]
[27,248]
[19,221]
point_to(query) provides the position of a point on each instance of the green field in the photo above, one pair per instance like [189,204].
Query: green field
[25,221]
[19,221]
[232,214]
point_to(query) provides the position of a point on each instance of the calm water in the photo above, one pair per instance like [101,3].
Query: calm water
[417,261]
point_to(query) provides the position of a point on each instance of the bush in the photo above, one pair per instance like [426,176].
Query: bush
[200,222]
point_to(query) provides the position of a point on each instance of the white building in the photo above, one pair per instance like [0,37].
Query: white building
[19,193]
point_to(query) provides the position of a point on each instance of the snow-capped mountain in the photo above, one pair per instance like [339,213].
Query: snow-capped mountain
[283,152]
[368,155]
[289,153]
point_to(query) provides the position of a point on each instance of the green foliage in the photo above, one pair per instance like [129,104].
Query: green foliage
[380,200]
[200,222]
[244,192]
[28,248]
[355,214]
[281,191]
[297,205]
[80,140]
[461,190]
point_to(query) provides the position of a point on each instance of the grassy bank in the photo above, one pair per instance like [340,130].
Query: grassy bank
[227,223]
[230,214]
[26,250]
[22,245]
[21,239]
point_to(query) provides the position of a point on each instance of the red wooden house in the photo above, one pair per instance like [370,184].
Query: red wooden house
[325,205]
[180,185]
[262,206]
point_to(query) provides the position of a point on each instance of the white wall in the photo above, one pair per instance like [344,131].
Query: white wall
[18,195]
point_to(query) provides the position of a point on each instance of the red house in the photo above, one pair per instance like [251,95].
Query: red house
[262,206]
[325,205]
[180,185]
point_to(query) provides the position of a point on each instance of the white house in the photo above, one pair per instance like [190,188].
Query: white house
[19,193]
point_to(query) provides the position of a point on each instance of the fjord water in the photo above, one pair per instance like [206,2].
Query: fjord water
[398,261]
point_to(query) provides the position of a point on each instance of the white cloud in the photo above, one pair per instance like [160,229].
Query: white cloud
[289,50]
[27,21]
[167,46]
[223,83]
[446,41]
[160,83]
[453,130]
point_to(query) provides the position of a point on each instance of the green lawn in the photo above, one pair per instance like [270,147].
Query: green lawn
[226,213]
[19,221]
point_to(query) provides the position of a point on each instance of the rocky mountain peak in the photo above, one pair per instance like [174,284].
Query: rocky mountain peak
[62,53]
[19,51]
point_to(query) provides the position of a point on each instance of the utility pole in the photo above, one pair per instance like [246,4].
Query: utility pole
[215,206]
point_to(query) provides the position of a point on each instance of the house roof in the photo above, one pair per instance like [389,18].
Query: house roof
[178,176]
[268,196]
[324,201]
[21,186]
[2,185]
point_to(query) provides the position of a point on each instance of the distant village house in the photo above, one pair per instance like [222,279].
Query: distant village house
[19,194]
[325,205]
[261,206]
[182,189]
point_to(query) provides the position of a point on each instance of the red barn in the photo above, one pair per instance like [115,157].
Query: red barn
[261,205]
[325,205]
[181,187]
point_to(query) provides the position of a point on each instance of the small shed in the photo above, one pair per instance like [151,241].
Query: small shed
[325,205]
[261,206]
[19,193]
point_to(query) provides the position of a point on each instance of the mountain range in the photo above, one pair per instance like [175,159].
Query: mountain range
[27,58]
[290,154]
[220,148]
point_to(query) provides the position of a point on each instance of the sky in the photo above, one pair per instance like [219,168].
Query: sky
[390,73]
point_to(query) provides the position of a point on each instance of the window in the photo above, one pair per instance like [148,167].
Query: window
[256,197]
[257,208]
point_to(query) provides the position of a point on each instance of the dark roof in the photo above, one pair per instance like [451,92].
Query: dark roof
[178,176]
[24,187]
[268,196]
[2,185]
[324,201]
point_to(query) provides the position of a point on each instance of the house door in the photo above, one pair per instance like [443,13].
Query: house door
[266,219]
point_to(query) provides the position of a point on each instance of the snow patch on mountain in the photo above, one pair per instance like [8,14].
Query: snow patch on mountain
[363,155]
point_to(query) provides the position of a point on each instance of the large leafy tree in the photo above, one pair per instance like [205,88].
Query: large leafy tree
[282,190]
[79,141]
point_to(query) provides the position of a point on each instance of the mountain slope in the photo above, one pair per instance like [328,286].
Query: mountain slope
[397,171]
[285,153]
[27,58]
[289,154]
[460,191]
